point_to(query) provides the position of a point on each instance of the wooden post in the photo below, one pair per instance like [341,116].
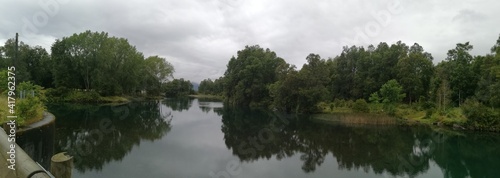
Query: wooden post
[61,165]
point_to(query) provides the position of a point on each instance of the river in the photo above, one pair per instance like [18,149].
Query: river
[201,138]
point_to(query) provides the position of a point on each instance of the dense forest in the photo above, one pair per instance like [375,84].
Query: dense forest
[387,74]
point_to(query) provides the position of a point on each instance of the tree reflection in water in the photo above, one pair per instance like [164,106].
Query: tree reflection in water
[396,150]
[97,135]
[178,104]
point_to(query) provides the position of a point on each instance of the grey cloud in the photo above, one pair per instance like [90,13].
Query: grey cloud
[199,37]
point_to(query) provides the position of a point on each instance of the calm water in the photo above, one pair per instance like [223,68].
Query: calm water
[194,138]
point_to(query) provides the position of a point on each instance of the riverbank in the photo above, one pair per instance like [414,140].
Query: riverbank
[453,118]
[203,96]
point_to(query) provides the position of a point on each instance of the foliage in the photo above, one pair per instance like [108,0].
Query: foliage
[210,87]
[30,89]
[459,69]
[178,88]
[108,65]
[159,71]
[360,105]
[300,91]
[3,79]
[30,108]
[480,116]
[390,93]
[82,96]
[414,72]
[248,76]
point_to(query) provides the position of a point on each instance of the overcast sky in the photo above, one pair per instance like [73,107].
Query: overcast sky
[199,36]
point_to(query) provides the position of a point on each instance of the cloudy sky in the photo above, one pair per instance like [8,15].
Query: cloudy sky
[199,36]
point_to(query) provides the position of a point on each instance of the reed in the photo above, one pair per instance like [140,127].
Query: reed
[357,118]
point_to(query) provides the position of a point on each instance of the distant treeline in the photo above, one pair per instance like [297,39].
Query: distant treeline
[91,61]
[257,77]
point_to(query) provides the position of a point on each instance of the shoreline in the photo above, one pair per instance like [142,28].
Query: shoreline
[380,119]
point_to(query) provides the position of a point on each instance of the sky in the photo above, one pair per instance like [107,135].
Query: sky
[200,36]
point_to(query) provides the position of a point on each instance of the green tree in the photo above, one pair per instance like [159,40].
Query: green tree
[206,86]
[301,91]
[460,73]
[39,65]
[249,75]
[414,72]
[108,65]
[158,71]
[178,88]
[21,63]
[390,94]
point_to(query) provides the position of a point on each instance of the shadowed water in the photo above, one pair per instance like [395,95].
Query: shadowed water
[197,138]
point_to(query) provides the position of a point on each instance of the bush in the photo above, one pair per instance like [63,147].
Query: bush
[339,103]
[428,113]
[349,103]
[29,109]
[83,96]
[360,105]
[29,89]
[479,115]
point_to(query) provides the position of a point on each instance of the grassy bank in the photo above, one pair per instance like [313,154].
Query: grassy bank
[79,96]
[453,117]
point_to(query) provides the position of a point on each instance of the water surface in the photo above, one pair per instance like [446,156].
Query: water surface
[196,138]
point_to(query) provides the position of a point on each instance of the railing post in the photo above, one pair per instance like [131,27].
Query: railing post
[61,165]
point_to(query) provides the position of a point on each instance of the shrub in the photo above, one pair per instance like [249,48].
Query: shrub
[479,115]
[29,109]
[428,113]
[349,103]
[83,96]
[428,105]
[360,105]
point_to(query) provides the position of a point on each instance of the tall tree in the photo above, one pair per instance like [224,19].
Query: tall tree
[414,72]
[108,65]
[301,91]
[461,76]
[248,76]
[159,71]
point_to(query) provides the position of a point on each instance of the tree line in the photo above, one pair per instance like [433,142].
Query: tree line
[257,77]
[90,61]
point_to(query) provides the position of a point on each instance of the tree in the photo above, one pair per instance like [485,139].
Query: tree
[109,65]
[178,88]
[159,71]
[414,72]
[249,75]
[121,68]
[301,91]
[461,75]
[39,65]
[206,86]
[389,94]
[488,70]
[9,59]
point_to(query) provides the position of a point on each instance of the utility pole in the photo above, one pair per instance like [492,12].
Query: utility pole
[16,50]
